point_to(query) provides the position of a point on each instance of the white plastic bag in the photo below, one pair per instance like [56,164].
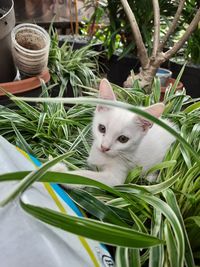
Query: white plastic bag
[27,242]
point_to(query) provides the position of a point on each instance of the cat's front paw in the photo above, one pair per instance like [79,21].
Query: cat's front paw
[59,167]
[72,186]
[152,177]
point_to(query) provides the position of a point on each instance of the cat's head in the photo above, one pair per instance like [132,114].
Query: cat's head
[117,130]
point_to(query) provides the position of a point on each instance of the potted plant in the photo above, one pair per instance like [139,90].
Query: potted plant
[151,224]
[70,68]
[30,50]
[150,64]
[116,34]
[158,55]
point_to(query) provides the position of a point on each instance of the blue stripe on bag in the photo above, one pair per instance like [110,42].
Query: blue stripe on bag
[63,195]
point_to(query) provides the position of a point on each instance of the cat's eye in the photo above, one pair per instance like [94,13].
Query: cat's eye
[102,128]
[123,139]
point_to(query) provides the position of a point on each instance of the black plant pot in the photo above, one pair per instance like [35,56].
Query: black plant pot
[190,77]
[7,22]
[119,69]
[78,41]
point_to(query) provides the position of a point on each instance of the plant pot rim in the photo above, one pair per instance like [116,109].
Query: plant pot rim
[30,26]
[182,61]
[25,85]
[9,10]
[164,72]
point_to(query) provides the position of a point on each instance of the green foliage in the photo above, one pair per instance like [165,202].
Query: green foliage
[103,232]
[158,222]
[116,33]
[47,130]
[191,50]
[140,212]
[74,67]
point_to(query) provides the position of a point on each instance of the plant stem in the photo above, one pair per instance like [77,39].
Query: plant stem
[142,52]
[156,37]
[76,16]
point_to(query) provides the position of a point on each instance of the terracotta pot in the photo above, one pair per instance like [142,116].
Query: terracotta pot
[26,85]
[170,81]
[30,87]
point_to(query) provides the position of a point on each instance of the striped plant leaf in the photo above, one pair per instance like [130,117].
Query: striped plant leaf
[103,232]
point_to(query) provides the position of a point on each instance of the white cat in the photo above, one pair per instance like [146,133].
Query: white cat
[122,140]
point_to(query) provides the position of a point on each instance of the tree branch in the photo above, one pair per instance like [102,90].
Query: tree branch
[173,25]
[76,16]
[71,17]
[156,36]
[185,36]
[142,52]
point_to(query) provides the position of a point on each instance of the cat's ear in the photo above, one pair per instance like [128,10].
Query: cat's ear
[105,92]
[156,111]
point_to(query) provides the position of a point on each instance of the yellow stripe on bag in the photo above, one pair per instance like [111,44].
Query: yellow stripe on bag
[24,154]
[62,209]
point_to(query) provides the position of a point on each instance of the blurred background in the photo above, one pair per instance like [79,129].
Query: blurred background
[46,10]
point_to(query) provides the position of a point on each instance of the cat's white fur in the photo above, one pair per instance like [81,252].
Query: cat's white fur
[146,146]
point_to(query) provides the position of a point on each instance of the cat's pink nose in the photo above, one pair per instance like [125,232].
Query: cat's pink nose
[104,149]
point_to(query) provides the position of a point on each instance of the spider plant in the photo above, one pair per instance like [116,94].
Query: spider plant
[74,67]
[143,214]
